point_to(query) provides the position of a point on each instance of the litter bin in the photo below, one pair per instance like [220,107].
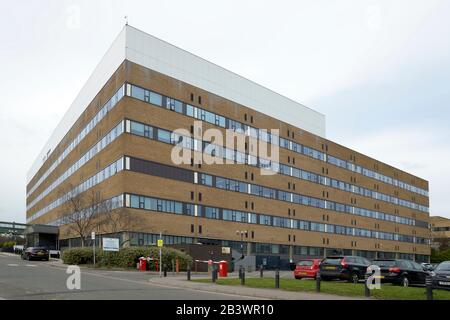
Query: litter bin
[223,269]
[143,264]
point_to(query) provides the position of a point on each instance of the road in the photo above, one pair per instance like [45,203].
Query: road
[39,280]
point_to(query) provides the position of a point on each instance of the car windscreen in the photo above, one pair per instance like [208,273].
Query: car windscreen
[384,263]
[335,261]
[305,263]
[444,266]
[38,249]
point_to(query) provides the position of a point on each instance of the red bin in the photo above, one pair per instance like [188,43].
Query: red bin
[142,264]
[223,269]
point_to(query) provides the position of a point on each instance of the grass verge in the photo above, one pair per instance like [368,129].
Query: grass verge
[387,291]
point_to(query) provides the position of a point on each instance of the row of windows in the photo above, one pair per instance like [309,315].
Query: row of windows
[218,120]
[222,183]
[244,187]
[440,229]
[88,128]
[99,177]
[110,204]
[176,207]
[99,146]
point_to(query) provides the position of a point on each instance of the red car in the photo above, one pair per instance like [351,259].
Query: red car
[307,268]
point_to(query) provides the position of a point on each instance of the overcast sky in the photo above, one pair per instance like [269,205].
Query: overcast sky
[378,70]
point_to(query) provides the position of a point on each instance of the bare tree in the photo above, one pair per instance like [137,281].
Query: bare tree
[115,221]
[444,243]
[81,212]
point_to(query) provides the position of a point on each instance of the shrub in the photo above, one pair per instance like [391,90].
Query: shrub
[77,256]
[126,257]
[439,256]
[8,244]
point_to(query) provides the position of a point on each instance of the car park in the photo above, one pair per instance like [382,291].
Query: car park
[401,272]
[441,276]
[307,268]
[350,268]
[36,253]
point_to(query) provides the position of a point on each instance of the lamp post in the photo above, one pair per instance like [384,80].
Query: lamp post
[242,233]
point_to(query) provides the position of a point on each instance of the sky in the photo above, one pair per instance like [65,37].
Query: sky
[378,70]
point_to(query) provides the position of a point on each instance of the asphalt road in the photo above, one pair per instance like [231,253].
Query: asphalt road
[38,280]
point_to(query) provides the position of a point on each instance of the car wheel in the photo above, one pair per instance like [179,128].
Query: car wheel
[404,282]
[354,278]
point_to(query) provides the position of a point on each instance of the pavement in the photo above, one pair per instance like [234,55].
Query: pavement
[253,293]
[21,279]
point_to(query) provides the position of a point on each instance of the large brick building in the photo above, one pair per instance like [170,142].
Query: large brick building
[116,140]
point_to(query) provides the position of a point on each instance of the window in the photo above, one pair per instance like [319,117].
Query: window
[134,202]
[263,219]
[156,99]
[206,179]
[174,105]
[137,128]
[137,93]
[212,213]
[164,136]
[190,110]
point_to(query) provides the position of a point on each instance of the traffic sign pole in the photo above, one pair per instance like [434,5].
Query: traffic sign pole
[160,254]
[93,244]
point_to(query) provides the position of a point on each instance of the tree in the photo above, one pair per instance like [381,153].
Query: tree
[115,221]
[443,244]
[81,211]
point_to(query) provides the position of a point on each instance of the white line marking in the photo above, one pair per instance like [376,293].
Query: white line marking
[31,265]
[12,265]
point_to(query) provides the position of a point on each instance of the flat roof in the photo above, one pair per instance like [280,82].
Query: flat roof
[158,55]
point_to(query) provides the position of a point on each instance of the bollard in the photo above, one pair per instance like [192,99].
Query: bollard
[165,271]
[213,275]
[240,272]
[366,286]
[243,276]
[318,278]
[277,279]
[261,271]
[189,272]
[429,286]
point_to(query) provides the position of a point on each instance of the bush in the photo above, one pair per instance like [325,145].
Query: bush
[78,256]
[126,257]
[7,246]
[439,256]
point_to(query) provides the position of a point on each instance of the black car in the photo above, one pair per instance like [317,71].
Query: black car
[401,272]
[441,276]
[350,268]
[36,253]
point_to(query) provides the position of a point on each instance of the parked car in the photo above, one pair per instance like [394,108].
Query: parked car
[350,268]
[36,253]
[441,275]
[401,272]
[307,268]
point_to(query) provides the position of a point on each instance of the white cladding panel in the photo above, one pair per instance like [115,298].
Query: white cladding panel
[104,70]
[165,58]
[153,53]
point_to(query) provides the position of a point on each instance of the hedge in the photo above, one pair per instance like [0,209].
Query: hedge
[439,256]
[125,258]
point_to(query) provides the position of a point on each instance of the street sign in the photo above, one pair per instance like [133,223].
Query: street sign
[160,243]
[110,244]
[93,235]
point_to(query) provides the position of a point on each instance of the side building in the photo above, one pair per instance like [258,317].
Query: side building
[440,232]
[116,141]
